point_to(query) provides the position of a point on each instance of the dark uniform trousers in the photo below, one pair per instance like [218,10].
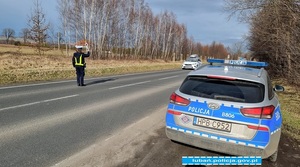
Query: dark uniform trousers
[80,75]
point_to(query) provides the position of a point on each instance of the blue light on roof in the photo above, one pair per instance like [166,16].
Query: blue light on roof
[239,62]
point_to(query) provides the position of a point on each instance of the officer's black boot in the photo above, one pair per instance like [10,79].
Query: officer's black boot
[82,82]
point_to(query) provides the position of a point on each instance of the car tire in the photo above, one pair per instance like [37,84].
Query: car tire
[273,157]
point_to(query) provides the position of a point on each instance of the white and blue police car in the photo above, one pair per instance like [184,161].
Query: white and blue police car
[227,106]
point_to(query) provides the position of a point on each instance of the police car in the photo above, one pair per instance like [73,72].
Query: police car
[192,62]
[228,106]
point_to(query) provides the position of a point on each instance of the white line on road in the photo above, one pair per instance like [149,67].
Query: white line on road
[109,138]
[131,125]
[57,82]
[124,143]
[40,84]
[168,77]
[138,83]
[21,86]
[38,102]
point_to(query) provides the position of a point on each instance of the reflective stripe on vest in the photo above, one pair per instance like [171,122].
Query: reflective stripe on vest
[80,61]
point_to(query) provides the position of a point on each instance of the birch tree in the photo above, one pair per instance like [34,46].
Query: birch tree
[125,29]
[64,9]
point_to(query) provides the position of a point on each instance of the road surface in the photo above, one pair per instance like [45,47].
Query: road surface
[113,121]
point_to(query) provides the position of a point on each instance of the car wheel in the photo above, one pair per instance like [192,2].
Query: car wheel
[273,157]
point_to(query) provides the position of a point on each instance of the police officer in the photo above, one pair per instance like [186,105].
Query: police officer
[79,63]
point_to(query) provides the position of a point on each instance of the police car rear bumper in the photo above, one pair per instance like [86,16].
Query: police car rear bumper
[213,145]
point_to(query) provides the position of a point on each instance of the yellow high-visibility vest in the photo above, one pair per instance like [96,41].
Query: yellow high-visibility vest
[80,61]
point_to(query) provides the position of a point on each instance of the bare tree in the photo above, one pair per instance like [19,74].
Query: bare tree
[64,9]
[38,26]
[25,34]
[244,9]
[8,33]
[125,29]
[236,50]
[275,31]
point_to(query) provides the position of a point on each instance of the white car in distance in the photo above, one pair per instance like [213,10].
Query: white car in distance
[193,62]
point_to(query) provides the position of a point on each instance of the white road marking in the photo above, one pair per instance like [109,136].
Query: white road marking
[109,138]
[141,120]
[120,144]
[134,123]
[168,77]
[49,83]
[38,102]
[21,86]
[133,84]
[46,83]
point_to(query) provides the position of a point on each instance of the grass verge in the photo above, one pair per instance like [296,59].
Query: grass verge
[290,100]
[21,64]
[33,75]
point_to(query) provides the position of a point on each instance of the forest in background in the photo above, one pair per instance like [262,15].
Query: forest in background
[274,34]
[128,29]
[115,29]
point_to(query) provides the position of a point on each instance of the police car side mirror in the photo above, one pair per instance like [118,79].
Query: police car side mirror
[278,88]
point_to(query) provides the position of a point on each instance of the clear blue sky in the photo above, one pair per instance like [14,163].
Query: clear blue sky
[15,13]
[205,19]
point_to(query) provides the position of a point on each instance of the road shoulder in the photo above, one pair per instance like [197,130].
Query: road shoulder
[120,147]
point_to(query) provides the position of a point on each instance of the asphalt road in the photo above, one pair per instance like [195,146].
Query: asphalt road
[114,121]
[43,124]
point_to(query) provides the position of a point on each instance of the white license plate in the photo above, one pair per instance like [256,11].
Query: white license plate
[214,124]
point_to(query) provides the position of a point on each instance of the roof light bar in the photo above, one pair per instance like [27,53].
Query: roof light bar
[239,62]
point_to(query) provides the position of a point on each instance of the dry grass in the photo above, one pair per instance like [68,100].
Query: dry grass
[20,64]
[290,100]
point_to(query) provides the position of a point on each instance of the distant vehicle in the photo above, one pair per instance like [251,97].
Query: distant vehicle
[194,56]
[230,107]
[193,62]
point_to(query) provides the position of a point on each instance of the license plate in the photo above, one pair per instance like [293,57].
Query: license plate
[214,124]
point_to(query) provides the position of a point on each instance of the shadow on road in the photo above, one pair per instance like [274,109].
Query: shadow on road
[100,81]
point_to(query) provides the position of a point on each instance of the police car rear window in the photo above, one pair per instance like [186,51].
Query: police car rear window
[225,90]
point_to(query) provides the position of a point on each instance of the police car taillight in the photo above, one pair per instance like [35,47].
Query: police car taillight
[259,112]
[176,99]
